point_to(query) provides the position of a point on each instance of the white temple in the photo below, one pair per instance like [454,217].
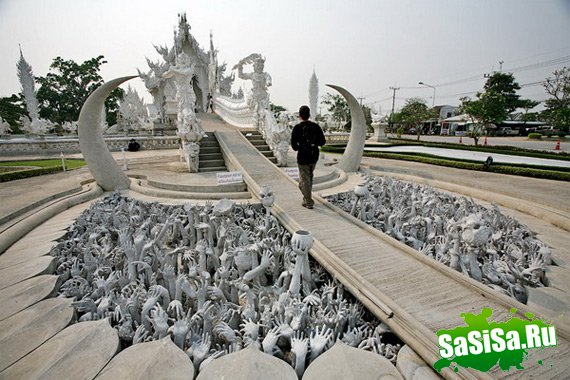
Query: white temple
[133,114]
[182,85]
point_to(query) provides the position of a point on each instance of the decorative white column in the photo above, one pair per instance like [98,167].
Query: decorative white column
[379,132]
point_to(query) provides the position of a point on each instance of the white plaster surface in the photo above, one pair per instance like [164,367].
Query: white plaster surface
[160,359]
[345,362]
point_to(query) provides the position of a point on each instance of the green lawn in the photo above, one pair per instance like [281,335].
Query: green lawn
[69,163]
[32,168]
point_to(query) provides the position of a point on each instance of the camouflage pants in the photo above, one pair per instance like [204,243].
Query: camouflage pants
[306,182]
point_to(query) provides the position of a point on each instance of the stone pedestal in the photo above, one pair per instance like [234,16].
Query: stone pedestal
[379,132]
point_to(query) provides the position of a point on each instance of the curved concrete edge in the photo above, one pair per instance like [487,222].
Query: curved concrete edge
[25,331]
[79,351]
[33,205]
[350,161]
[18,230]
[554,217]
[412,367]
[26,293]
[341,178]
[27,269]
[247,364]
[563,327]
[331,175]
[138,186]
[159,359]
[230,188]
[345,362]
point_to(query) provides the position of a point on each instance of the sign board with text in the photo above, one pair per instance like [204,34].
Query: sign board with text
[228,178]
[293,173]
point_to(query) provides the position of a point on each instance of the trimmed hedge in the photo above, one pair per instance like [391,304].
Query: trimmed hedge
[535,136]
[559,174]
[19,174]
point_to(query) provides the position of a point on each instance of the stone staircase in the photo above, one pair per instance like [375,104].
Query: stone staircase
[255,138]
[211,158]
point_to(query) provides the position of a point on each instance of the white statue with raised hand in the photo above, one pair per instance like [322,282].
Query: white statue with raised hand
[189,128]
[260,80]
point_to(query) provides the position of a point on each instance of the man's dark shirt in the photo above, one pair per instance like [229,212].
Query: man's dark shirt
[306,139]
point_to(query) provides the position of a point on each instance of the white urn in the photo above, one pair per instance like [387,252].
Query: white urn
[302,241]
[361,190]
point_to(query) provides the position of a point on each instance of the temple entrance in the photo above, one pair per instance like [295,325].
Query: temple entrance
[199,95]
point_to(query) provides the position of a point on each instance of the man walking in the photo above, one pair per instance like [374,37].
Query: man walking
[306,139]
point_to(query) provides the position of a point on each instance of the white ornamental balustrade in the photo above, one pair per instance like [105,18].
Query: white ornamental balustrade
[234,111]
[239,112]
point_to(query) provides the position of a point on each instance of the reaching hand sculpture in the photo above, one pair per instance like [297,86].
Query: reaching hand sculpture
[301,243]
[479,242]
[158,271]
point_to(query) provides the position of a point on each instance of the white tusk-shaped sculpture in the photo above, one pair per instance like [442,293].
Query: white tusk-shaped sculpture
[350,161]
[101,163]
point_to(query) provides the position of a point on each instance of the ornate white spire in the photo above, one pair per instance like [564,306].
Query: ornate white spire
[26,77]
[313,94]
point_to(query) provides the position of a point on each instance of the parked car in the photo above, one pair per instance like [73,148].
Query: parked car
[547,130]
[507,132]
[530,130]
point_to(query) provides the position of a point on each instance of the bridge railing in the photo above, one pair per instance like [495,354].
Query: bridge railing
[234,111]
[332,138]
[69,145]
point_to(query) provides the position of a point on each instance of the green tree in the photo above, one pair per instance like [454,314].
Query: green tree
[11,109]
[368,117]
[557,111]
[66,87]
[276,109]
[322,121]
[488,109]
[338,107]
[505,86]
[413,113]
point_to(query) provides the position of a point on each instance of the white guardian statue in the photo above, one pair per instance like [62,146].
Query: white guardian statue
[188,126]
[261,81]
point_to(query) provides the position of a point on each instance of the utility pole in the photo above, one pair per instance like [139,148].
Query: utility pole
[393,101]
[361,99]
[501,66]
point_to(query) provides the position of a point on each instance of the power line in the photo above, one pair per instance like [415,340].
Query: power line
[539,65]
[534,66]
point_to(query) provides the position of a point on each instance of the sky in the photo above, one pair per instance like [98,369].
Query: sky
[365,46]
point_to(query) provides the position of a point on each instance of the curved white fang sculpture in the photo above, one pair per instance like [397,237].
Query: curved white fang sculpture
[350,160]
[101,163]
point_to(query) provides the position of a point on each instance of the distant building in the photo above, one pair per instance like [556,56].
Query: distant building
[434,126]
[458,125]
[445,111]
